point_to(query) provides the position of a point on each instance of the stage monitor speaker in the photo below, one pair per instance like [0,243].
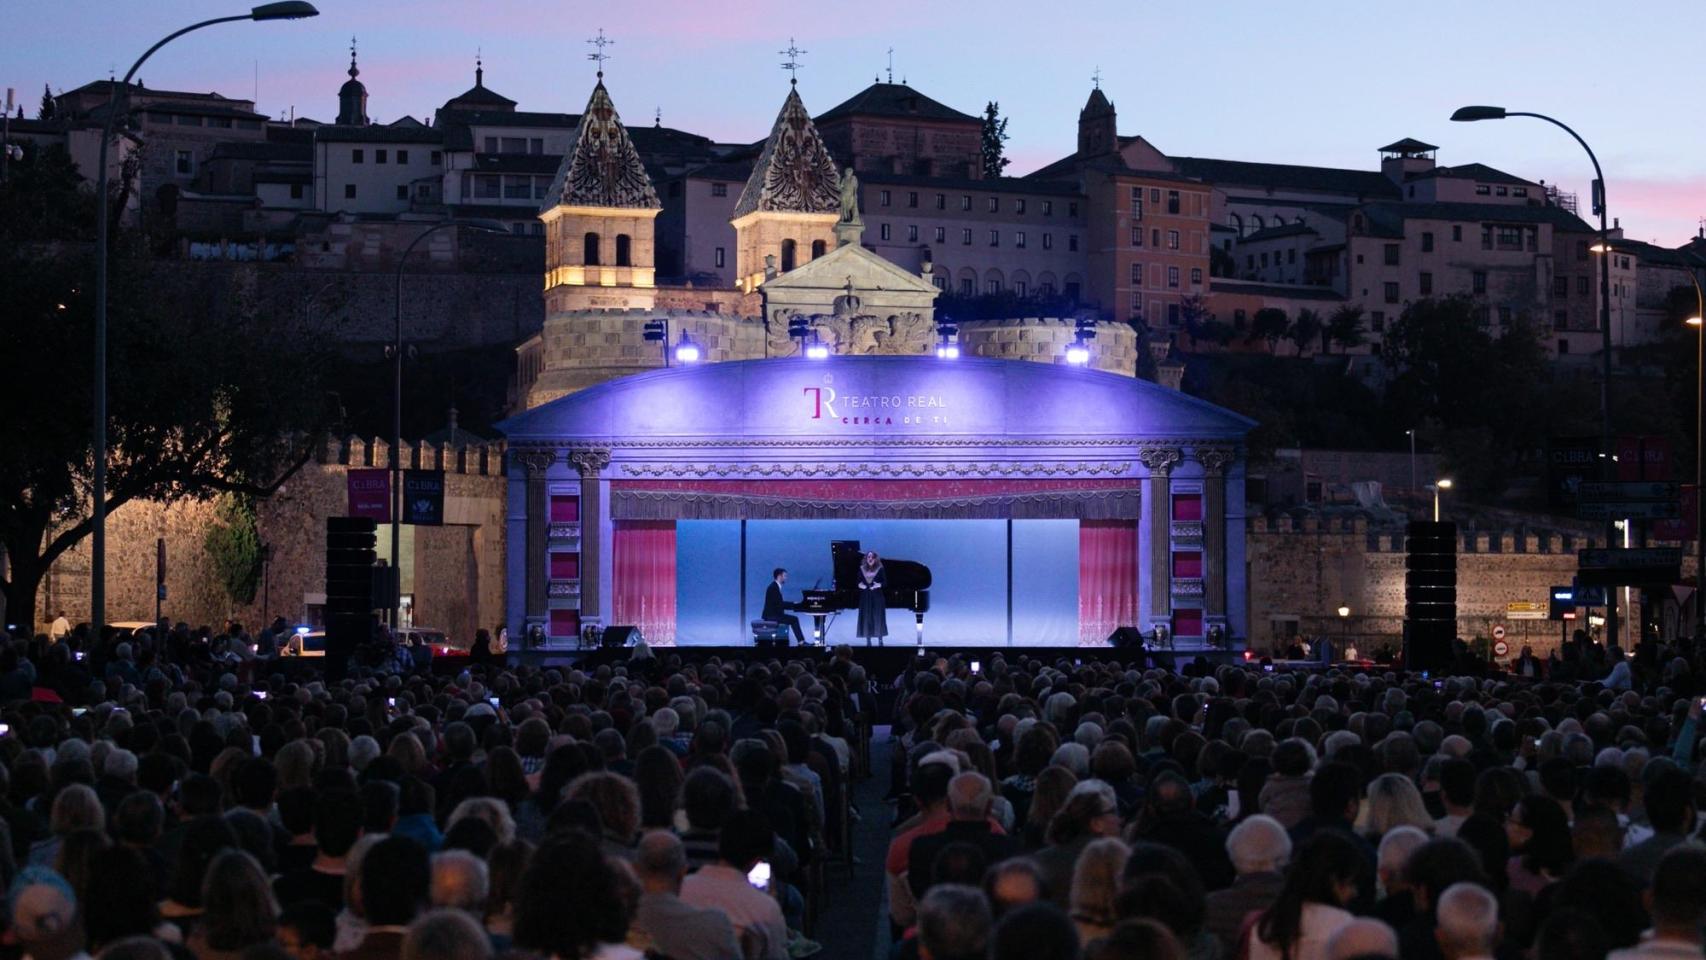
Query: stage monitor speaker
[1126,638]
[621,636]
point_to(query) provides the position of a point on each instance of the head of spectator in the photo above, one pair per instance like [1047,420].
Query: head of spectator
[76,808]
[1466,922]
[1013,883]
[969,797]
[204,839]
[238,906]
[307,930]
[337,824]
[1539,832]
[1050,789]
[708,797]
[459,880]
[1363,939]
[1676,899]
[570,869]
[1258,844]
[1326,872]
[1035,931]
[745,839]
[42,915]
[1394,801]
[1140,939]
[1571,936]
[1091,810]
[395,882]
[953,923]
[120,900]
[1335,793]
[494,812]
[1392,855]
[1596,832]
[1160,884]
[1669,802]
[1438,864]
[660,862]
[446,934]
[1096,883]
[615,799]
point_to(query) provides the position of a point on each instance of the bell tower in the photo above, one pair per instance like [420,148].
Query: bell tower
[787,212]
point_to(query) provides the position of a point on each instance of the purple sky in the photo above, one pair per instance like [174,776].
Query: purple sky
[1313,82]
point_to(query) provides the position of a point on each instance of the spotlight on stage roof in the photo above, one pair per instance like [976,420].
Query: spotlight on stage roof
[686,351]
[1078,354]
[949,346]
[817,350]
[947,350]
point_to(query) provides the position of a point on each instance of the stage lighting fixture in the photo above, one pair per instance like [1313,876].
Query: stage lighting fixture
[948,349]
[1078,354]
[686,351]
[817,350]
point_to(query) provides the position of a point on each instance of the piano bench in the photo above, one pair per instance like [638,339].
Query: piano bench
[769,631]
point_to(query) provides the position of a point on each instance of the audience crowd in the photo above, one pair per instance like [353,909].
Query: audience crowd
[176,800]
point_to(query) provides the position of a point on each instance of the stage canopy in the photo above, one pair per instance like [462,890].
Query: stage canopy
[599,480]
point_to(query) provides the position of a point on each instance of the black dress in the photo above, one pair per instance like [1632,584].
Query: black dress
[873,611]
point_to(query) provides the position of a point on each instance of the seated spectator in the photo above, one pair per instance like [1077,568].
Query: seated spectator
[1091,811]
[1259,849]
[755,914]
[1363,938]
[571,869]
[459,881]
[1468,922]
[1677,901]
[337,825]
[239,909]
[1095,884]
[1311,906]
[445,934]
[953,923]
[669,925]
[395,886]
[969,798]
[306,930]
[1135,940]
[1037,931]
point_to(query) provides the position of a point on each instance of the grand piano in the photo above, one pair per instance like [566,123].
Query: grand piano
[906,584]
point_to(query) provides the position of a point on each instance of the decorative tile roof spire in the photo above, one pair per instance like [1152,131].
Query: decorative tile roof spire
[795,172]
[601,167]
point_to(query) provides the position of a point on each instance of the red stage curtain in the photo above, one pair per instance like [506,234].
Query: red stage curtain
[644,558]
[1107,578]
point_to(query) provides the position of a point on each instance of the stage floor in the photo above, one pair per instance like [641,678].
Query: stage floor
[881,662]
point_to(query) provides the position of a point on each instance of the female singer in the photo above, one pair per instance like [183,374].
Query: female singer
[873,610]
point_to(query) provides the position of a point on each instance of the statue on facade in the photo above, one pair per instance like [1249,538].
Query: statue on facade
[850,197]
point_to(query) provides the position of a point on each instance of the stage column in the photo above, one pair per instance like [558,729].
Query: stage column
[536,463]
[595,531]
[1157,534]
[1214,462]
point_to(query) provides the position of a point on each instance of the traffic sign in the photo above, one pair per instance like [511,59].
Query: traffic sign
[1501,649]
[1628,510]
[1525,610]
[1629,565]
[1609,490]
[1499,632]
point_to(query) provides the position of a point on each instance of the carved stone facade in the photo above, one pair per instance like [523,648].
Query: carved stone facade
[853,301]
[790,205]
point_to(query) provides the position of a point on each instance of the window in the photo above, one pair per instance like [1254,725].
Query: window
[1391,291]
[188,121]
[1045,289]
[296,191]
[1048,208]
[518,188]
[719,189]
[1048,241]
[992,287]
[719,258]
[1137,274]
[938,281]
[1137,203]
[349,191]
[402,191]
[883,198]
[1482,190]
[1457,232]
[965,236]
[1519,191]
[1196,276]
[1391,255]
[1172,239]
[790,255]
[1137,236]
[490,145]
[1072,209]
[967,287]
[1291,255]
[1264,259]
[1021,288]
[965,201]
[1019,239]
[379,156]
[1502,191]
[1478,281]
[941,201]
[1560,286]
[1070,292]
[1505,316]
[513,145]
[1019,205]
[1584,285]
[355,156]
[912,232]
[1072,243]
[184,163]
[589,249]
[1172,201]
[1173,277]
[1560,319]
[402,156]
[1173,315]
[1427,285]
[436,158]
[1510,238]
[912,199]
[1155,236]
[1486,238]
[1563,345]
[994,204]
[624,250]
[941,234]
[995,238]
[1427,241]
[1377,321]
[883,231]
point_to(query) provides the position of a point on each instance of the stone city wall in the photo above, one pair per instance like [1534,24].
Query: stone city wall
[1045,339]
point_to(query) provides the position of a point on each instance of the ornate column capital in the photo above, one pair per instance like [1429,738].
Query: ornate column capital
[1159,459]
[1215,460]
[591,461]
[535,462]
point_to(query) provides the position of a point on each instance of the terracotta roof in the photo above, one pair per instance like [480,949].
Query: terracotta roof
[1368,184]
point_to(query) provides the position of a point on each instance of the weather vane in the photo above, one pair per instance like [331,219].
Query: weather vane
[1096,78]
[599,56]
[792,64]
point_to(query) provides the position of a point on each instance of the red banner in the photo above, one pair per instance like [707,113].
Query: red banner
[370,494]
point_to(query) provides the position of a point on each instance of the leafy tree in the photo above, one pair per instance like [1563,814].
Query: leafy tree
[1268,324]
[994,140]
[48,109]
[1305,330]
[1344,327]
[234,546]
[209,391]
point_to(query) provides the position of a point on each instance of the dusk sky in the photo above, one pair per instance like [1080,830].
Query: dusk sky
[1308,83]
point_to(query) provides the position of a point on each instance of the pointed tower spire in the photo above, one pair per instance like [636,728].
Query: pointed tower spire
[479,69]
[601,167]
[352,96]
[795,172]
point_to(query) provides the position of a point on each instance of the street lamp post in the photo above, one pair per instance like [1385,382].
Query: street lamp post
[1443,483]
[289,10]
[1412,434]
[397,409]
[1698,322]
[1607,465]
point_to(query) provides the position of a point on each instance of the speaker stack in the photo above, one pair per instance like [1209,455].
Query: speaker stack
[1430,594]
[350,555]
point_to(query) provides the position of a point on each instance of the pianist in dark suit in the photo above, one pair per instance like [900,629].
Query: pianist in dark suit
[776,609]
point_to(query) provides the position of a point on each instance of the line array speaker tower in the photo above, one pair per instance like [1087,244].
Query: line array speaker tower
[1430,594]
[350,555]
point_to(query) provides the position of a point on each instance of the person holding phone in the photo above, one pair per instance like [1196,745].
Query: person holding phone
[744,842]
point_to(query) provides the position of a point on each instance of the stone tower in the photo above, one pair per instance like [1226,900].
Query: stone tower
[787,212]
[599,213]
[1098,132]
[352,96]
